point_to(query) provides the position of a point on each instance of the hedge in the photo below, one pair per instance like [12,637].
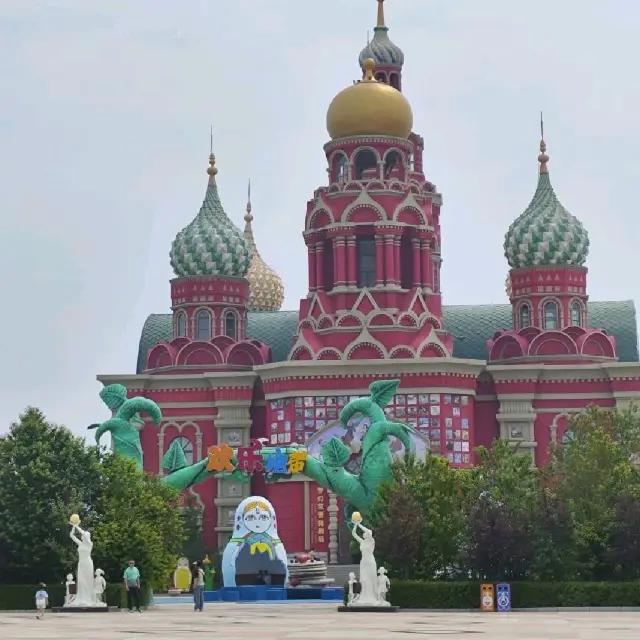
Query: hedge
[22,597]
[524,595]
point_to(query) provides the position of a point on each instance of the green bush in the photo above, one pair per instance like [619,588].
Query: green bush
[22,597]
[411,594]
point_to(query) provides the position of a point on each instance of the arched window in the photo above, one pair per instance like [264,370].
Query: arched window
[524,317]
[366,161]
[550,316]
[576,314]
[391,161]
[231,325]
[406,262]
[366,260]
[412,162]
[181,326]
[381,76]
[394,81]
[187,447]
[203,322]
[340,166]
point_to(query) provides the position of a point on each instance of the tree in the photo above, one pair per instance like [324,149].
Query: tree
[502,494]
[593,469]
[417,518]
[193,547]
[553,538]
[46,474]
[136,517]
[624,541]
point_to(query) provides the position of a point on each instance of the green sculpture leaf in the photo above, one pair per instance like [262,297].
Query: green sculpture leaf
[114,395]
[174,459]
[335,453]
[382,391]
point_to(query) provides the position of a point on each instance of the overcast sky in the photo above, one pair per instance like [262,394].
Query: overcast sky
[105,109]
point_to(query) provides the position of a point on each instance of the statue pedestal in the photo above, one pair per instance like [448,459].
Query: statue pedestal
[381,609]
[84,609]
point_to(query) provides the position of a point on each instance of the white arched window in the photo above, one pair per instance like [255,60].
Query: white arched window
[187,447]
[576,314]
[550,316]
[181,326]
[231,325]
[524,316]
[203,325]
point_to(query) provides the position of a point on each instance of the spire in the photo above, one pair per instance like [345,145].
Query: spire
[543,158]
[248,219]
[380,23]
[266,291]
[380,48]
[211,244]
[546,234]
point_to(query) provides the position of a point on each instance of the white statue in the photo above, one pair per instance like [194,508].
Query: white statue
[85,592]
[70,590]
[352,596]
[368,569]
[99,586]
[383,586]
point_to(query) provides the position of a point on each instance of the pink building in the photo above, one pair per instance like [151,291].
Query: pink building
[227,364]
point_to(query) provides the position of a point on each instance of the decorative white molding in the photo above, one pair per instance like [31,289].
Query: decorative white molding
[181,381]
[350,368]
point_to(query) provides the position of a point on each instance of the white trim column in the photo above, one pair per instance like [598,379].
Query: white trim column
[333,528]
[517,418]
[232,423]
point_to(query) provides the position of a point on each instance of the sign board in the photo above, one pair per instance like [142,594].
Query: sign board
[256,457]
[503,597]
[487,600]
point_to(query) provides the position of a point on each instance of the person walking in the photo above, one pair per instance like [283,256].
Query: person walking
[198,587]
[42,600]
[132,586]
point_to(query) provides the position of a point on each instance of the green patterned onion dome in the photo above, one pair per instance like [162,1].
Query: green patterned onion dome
[211,245]
[546,233]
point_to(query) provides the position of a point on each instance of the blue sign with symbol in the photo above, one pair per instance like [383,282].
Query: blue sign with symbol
[503,597]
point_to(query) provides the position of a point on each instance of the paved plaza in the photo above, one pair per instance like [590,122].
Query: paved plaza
[300,621]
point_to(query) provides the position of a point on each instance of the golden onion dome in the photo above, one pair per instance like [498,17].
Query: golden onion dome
[368,108]
[266,291]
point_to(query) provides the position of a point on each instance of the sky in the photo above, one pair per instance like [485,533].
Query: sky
[106,108]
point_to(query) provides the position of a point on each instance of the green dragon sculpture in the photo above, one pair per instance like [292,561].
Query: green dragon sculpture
[357,491]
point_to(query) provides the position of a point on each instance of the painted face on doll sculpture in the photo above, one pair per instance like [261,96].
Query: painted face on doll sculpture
[257,517]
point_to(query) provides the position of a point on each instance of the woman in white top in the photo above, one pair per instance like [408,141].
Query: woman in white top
[198,586]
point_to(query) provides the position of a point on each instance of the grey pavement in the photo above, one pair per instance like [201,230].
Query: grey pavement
[302,621]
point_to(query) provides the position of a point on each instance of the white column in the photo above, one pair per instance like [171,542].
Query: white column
[333,528]
[230,493]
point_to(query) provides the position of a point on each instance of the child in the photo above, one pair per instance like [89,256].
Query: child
[42,600]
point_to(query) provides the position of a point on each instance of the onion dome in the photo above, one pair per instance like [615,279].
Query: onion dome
[211,245]
[266,291]
[381,49]
[546,234]
[370,108]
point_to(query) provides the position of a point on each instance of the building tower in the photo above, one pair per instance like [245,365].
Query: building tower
[388,57]
[210,294]
[546,248]
[373,236]
[266,291]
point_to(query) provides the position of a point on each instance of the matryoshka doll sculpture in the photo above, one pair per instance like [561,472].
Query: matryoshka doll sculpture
[255,550]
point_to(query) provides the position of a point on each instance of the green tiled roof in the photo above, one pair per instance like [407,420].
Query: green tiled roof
[471,326]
